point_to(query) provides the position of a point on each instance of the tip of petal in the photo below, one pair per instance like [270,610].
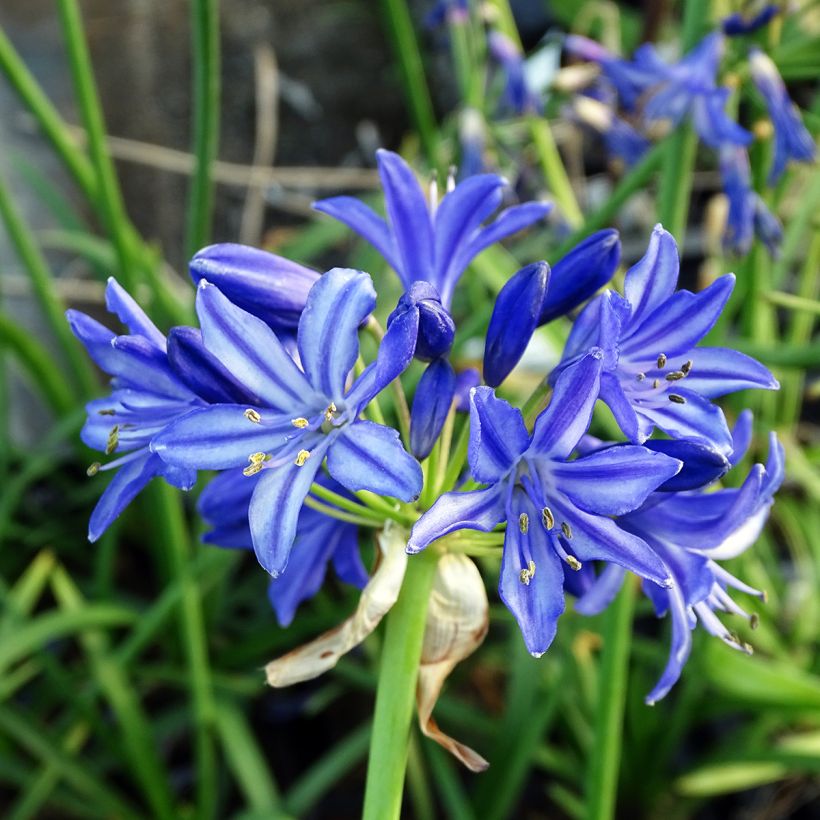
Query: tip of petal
[537,654]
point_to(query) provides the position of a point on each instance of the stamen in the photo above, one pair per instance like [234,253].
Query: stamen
[566,529]
[108,412]
[674,397]
[251,415]
[331,409]
[113,440]
[523,522]
[754,620]
[656,383]
[686,367]
[641,376]
[451,178]
[433,191]
[526,575]
[661,361]
[257,461]
[574,563]
[764,596]
[93,469]
[675,375]
[301,457]
[547,518]
[301,423]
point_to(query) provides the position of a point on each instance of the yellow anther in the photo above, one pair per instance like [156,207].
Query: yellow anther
[526,575]
[754,620]
[331,409]
[301,457]
[675,375]
[251,415]
[686,367]
[656,383]
[257,461]
[547,518]
[113,440]
[93,469]
[300,423]
[107,412]
[523,522]
[676,399]
[661,361]
[574,563]
[566,529]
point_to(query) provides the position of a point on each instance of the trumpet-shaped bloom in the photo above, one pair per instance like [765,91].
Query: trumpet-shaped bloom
[517,96]
[654,375]
[149,392]
[748,214]
[556,510]
[299,415]
[320,540]
[791,138]
[691,531]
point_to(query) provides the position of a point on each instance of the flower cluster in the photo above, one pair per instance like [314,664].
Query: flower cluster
[271,391]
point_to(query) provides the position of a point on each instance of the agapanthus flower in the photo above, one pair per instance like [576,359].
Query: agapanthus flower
[302,413]
[517,95]
[654,374]
[792,140]
[557,510]
[691,531]
[452,12]
[622,140]
[748,214]
[747,21]
[148,393]
[320,540]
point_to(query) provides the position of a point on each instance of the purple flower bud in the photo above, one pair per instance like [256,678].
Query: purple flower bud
[434,395]
[436,326]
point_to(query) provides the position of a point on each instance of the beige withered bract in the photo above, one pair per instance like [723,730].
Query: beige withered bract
[457,620]
[314,658]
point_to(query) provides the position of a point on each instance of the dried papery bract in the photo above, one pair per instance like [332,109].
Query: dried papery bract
[457,621]
[382,591]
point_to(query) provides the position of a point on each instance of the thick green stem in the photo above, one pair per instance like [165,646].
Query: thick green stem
[602,781]
[395,697]
[205,49]
[554,171]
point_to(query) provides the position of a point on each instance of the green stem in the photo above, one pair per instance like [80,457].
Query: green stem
[112,208]
[403,37]
[344,503]
[396,692]
[40,277]
[602,782]
[205,25]
[333,512]
[554,171]
[457,458]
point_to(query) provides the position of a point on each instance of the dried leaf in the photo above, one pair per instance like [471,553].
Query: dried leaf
[314,658]
[457,620]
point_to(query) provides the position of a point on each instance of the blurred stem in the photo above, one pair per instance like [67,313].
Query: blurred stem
[458,455]
[554,171]
[679,159]
[403,37]
[174,540]
[109,200]
[604,765]
[467,71]
[396,693]
[205,50]
[40,277]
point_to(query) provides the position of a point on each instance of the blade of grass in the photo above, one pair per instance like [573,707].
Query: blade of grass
[450,789]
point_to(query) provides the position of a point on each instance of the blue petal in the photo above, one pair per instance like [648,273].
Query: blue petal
[560,427]
[585,331]
[250,350]
[436,326]
[459,215]
[275,506]
[409,218]
[712,123]
[741,437]
[602,593]
[328,336]
[268,286]
[120,302]
[612,394]
[466,380]
[538,604]
[701,464]
[650,282]
[717,371]
[368,456]
[513,321]
[585,269]
[498,436]
[223,505]
[200,370]
[124,487]
[431,404]
[476,510]
[347,558]
[366,222]
[679,324]
[616,480]
[221,436]
[679,649]
[140,363]
[96,339]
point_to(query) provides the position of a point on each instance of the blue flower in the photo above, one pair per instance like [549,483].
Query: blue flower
[300,415]
[654,375]
[691,531]
[556,510]
[748,214]
[431,241]
[148,393]
[791,138]
[320,540]
[517,96]
[535,295]
[744,22]
[453,12]
[271,287]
